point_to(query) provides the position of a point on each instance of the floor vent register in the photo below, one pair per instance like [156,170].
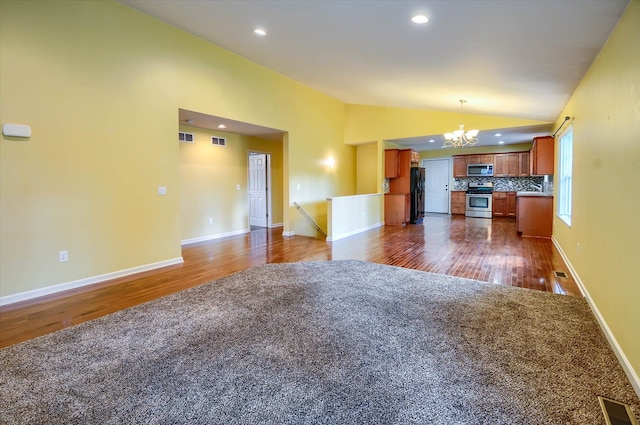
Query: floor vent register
[616,413]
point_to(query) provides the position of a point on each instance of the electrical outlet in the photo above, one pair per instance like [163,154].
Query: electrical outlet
[63,256]
[578,248]
[162,190]
[237,187]
[210,220]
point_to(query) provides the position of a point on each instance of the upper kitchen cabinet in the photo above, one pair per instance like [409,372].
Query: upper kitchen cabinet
[506,165]
[401,183]
[541,156]
[480,159]
[460,166]
[523,167]
[391,163]
[396,160]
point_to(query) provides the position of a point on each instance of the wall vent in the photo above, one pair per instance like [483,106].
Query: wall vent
[560,274]
[185,137]
[616,413]
[218,141]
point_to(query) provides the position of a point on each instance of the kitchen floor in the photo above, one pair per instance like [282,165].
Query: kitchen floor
[489,250]
[475,248]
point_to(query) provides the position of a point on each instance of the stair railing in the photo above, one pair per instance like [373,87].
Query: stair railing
[304,213]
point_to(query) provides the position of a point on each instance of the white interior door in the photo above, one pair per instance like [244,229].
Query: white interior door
[436,191]
[258,190]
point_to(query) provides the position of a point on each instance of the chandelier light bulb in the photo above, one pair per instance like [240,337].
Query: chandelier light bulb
[459,138]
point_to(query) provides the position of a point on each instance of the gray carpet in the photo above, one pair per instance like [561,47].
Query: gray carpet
[344,342]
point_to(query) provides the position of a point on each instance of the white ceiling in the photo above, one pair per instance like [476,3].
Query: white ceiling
[508,58]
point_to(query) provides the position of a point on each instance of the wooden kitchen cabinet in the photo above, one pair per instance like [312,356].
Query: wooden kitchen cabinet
[397,209]
[397,203]
[499,165]
[460,166]
[480,159]
[511,204]
[458,202]
[504,204]
[397,168]
[513,164]
[523,166]
[506,165]
[499,204]
[541,156]
[534,216]
[391,163]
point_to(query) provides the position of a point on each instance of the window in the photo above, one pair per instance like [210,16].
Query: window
[565,165]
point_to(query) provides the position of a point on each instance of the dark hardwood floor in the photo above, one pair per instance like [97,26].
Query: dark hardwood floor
[486,250]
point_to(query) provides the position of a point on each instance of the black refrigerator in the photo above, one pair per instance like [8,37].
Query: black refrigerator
[417,195]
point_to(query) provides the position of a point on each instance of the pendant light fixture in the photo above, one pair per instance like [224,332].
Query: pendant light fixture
[459,138]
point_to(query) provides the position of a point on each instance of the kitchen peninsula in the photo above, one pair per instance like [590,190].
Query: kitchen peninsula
[534,214]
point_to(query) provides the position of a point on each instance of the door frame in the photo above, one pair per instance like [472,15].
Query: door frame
[449,179]
[268,183]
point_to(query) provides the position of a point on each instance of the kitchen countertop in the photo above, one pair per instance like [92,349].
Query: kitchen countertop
[533,193]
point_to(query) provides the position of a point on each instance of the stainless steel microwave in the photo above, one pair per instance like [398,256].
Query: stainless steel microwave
[479,170]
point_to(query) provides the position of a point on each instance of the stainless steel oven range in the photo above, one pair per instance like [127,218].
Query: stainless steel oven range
[479,200]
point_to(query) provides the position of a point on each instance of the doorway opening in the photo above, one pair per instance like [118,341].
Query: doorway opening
[259,189]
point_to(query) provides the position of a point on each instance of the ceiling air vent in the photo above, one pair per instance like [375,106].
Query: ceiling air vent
[185,137]
[218,141]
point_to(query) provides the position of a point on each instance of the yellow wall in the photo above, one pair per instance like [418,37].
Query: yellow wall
[366,123]
[209,176]
[101,85]
[366,169]
[348,215]
[606,174]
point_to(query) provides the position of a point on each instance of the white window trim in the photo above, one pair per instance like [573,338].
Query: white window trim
[562,215]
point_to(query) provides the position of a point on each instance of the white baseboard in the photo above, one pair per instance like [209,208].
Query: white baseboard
[289,233]
[353,232]
[624,362]
[35,293]
[274,225]
[216,236]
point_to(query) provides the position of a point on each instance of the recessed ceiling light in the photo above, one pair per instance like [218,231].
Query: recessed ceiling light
[501,142]
[431,141]
[222,126]
[260,32]
[498,134]
[419,19]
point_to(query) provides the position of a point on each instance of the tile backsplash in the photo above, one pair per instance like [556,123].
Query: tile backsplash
[504,184]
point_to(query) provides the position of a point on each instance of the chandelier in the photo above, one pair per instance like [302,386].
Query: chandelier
[459,138]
